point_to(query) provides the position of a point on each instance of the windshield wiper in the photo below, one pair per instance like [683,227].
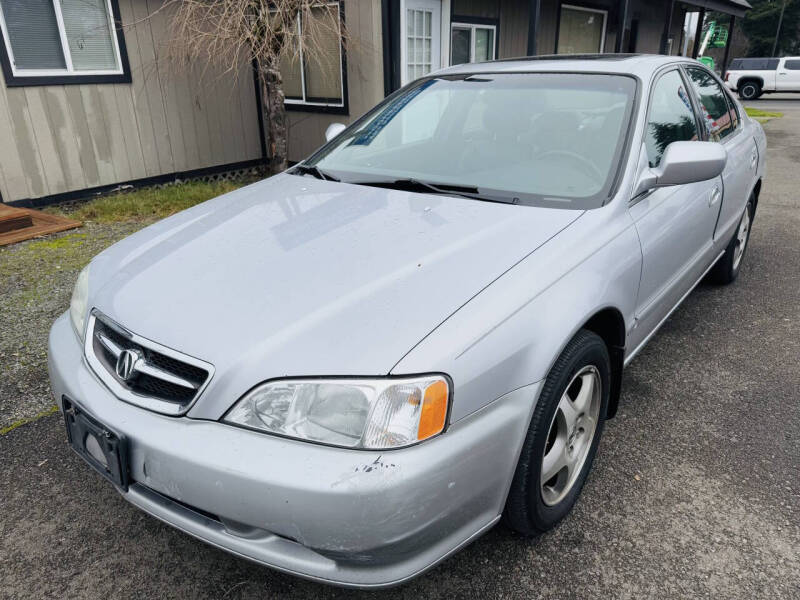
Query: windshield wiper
[314,171]
[416,185]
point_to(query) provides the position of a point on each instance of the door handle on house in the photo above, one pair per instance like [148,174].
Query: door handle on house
[716,195]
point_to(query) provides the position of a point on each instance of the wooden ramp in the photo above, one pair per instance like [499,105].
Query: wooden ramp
[19,224]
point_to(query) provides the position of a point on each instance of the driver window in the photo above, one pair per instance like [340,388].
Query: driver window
[716,111]
[670,118]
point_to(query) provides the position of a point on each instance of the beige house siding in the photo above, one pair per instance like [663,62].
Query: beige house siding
[64,138]
[364,79]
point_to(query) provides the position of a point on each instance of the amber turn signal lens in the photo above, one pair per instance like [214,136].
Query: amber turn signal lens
[434,410]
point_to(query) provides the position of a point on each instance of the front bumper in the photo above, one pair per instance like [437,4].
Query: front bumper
[348,517]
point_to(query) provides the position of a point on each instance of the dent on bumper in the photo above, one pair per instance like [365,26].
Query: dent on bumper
[349,517]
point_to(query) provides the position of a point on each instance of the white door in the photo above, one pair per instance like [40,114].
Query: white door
[789,75]
[421,47]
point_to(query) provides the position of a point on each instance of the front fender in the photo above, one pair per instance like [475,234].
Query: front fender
[511,333]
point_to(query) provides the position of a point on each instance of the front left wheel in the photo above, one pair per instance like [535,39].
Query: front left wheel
[562,438]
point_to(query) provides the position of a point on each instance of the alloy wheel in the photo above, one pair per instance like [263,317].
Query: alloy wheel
[742,236]
[570,436]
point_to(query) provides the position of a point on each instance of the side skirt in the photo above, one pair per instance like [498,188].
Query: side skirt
[636,350]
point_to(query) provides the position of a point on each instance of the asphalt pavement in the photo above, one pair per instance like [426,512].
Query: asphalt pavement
[776,102]
[695,492]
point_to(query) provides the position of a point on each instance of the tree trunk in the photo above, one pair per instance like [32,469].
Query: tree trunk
[275,117]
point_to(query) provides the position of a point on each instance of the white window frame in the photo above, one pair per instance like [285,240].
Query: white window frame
[69,71]
[589,10]
[304,101]
[472,27]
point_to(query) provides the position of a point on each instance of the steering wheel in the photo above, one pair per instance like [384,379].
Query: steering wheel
[576,157]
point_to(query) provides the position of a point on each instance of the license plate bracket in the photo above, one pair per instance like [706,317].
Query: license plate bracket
[97,444]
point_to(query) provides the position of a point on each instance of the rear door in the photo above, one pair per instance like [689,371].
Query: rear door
[722,124]
[789,75]
[675,224]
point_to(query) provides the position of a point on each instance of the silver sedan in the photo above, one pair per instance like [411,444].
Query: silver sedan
[352,369]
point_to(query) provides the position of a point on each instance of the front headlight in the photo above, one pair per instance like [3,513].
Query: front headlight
[80,298]
[352,413]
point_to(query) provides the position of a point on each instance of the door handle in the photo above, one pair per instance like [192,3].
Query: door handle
[716,195]
[753,160]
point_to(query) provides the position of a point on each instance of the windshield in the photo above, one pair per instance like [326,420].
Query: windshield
[546,139]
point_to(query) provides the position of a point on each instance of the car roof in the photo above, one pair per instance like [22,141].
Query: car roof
[641,65]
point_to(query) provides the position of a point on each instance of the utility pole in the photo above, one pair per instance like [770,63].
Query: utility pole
[778,31]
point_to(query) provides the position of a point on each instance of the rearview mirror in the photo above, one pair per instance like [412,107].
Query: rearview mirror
[333,130]
[682,163]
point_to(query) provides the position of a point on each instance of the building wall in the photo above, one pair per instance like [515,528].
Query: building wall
[63,138]
[514,18]
[364,79]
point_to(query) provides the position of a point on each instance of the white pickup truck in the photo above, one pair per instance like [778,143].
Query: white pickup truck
[752,77]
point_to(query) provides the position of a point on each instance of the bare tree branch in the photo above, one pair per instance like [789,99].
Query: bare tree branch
[275,34]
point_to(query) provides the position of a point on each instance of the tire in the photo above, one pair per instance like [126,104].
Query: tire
[534,506]
[727,268]
[749,90]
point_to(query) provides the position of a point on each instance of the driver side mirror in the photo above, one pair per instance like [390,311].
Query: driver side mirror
[682,163]
[333,130]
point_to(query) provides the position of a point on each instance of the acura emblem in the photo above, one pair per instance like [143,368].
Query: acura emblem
[126,364]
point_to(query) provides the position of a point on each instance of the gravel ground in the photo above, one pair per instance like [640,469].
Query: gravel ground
[36,279]
[695,492]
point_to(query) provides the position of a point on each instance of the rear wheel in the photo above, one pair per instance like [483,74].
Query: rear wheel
[727,268]
[749,90]
[562,438]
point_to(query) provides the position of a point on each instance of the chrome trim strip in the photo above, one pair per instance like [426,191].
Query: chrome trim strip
[109,345]
[123,393]
[142,366]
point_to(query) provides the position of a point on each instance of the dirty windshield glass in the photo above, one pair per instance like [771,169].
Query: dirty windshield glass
[551,139]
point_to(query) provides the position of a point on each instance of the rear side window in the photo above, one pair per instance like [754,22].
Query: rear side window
[714,106]
[753,64]
[792,65]
[670,118]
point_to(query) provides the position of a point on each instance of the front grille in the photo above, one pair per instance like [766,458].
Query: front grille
[158,378]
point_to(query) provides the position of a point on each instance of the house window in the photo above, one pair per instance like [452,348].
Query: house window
[316,80]
[472,43]
[581,30]
[61,41]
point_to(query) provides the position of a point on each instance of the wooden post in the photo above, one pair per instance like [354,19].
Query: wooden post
[622,21]
[667,27]
[698,32]
[534,6]
[728,46]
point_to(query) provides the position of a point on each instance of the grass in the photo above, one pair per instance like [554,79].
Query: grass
[36,279]
[764,114]
[146,204]
[45,413]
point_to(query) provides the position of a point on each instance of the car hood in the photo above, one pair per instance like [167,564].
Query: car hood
[296,276]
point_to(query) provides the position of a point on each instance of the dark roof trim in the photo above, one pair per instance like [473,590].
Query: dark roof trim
[737,8]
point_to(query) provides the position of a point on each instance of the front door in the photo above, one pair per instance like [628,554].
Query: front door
[675,224]
[788,77]
[421,38]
